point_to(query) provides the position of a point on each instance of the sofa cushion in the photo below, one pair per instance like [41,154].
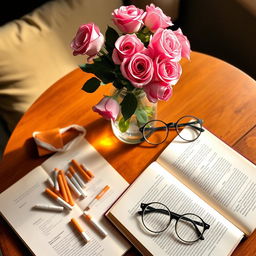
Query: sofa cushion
[35,50]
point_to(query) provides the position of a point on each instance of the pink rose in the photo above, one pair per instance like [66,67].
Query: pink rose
[185,52]
[155,18]
[128,19]
[126,47]
[138,69]
[166,71]
[165,42]
[156,91]
[107,108]
[88,40]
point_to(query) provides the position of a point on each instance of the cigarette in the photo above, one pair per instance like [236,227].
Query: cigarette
[73,187]
[62,188]
[97,226]
[50,182]
[80,170]
[70,198]
[77,177]
[76,184]
[87,171]
[98,196]
[58,199]
[49,207]
[80,230]
[56,184]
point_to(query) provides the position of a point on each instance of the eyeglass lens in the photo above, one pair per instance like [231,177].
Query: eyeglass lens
[187,229]
[155,132]
[156,218]
[193,127]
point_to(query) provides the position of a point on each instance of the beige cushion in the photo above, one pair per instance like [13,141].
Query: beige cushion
[250,5]
[35,50]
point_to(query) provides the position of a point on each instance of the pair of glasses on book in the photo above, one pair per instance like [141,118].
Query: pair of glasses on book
[156,218]
[156,132]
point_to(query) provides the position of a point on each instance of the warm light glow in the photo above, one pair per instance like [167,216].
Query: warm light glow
[106,142]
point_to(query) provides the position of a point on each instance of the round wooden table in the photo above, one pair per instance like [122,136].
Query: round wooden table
[211,89]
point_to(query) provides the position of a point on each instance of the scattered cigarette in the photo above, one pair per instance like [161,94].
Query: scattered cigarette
[98,196]
[80,170]
[62,187]
[50,182]
[73,187]
[77,177]
[55,176]
[97,226]
[70,198]
[87,171]
[76,184]
[58,199]
[49,207]
[80,230]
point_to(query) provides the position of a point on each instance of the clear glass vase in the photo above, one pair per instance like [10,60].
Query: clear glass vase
[128,131]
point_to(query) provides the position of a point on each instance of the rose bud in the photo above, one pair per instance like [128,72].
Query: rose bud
[108,108]
[155,18]
[88,40]
[185,52]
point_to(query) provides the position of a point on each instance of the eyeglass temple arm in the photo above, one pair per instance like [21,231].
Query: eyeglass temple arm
[172,125]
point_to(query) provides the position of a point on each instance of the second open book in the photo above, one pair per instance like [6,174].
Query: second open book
[205,177]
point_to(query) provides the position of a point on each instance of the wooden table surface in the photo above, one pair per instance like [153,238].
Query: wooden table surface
[222,95]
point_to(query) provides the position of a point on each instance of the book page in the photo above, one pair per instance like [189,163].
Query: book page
[155,184]
[221,176]
[51,233]
[104,174]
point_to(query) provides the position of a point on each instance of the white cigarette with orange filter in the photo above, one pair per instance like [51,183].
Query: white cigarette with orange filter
[87,171]
[97,197]
[97,226]
[58,199]
[55,178]
[73,187]
[77,177]
[80,230]
[76,184]
[81,171]
[48,207]
[70,198]
[50,182]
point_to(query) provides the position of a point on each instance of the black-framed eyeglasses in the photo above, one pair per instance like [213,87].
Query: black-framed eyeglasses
[156,218]
[156,131]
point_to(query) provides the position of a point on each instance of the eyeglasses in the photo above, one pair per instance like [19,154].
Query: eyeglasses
[156,218]
[156,131]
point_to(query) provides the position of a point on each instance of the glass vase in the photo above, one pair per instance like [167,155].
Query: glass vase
[128,131]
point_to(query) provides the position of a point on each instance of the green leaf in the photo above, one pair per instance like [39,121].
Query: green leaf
[123,125]
[141,115]
[111,36]
[102,67]
[91,85]
[128,105]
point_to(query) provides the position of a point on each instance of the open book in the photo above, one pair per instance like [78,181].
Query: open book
[51,233]
[205,177]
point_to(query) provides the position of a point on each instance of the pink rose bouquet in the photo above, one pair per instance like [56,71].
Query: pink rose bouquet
[142,57]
